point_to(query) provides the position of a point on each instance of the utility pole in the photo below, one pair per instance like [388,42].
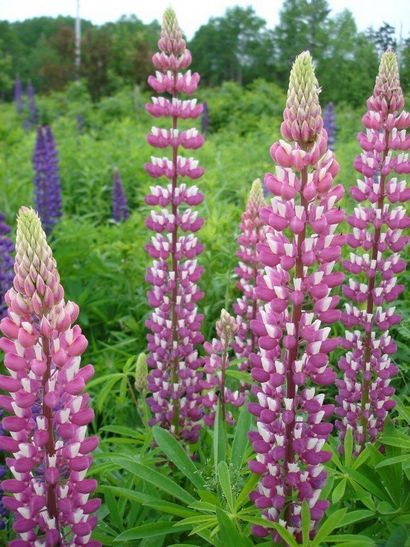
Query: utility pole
[78,42]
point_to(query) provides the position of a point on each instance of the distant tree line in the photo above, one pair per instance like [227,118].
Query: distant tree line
[237,46]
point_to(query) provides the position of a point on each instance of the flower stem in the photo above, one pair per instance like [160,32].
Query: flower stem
[292,352]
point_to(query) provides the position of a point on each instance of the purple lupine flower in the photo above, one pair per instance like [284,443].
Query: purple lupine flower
[32,105]
[253,232]
[205,118]
[6,263]
[329,123]
[299,256]
[216,363]
[175,322]
[80,123]
[47,179]
[50,453]
[120,209]
[18,95]
[376,240]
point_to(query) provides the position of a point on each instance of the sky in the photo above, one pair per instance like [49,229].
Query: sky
[192,14]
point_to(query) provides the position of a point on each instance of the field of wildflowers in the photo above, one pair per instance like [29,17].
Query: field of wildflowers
[248,339]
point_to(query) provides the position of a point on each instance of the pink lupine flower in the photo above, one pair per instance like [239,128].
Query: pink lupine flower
[175,322]
[376,240]
[49,411]
[216,363]
[299,255]
[253,232]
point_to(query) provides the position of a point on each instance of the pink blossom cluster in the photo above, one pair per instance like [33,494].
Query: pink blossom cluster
[216,363]
[253,232]
[299,257]
[376,240]
[175,322]
[49,493]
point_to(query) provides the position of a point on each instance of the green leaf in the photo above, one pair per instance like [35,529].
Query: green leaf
[219,443]
[355,516]
[361,458]
[174,451]
[327,527]
[124,431]
[239,375]
[102,379]
[283,532]
[391,461]
[225,482]
[160,528]
[149,501]
[339,491]
[348,446]
[351,540]
[159,480]
[368,484]
[397,439]
[240,441]
[229,535]
[246,490]
[305,522]
[115,517]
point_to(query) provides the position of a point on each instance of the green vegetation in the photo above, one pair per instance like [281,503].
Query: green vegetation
[155,495]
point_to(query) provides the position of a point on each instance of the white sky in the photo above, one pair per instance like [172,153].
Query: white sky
[192,14]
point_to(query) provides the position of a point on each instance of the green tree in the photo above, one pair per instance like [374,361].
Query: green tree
[304,24]
[234,47]
[347,67]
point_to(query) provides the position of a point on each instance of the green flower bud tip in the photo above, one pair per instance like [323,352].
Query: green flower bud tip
[302,119]
[141,373]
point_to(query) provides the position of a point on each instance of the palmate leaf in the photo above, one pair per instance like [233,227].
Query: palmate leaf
[229,535]
[326,528]
[174,451]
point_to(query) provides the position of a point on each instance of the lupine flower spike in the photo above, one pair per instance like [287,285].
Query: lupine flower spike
[329,122]
[216,364]
[18,95]
[299,256]
[120,209]
[47,184]
[49,412]
[6,263]
[175,322]
[253,232]
[376,240]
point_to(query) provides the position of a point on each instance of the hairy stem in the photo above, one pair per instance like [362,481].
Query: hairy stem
[51,496]
[370,303]
[174,266]
[293,352]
